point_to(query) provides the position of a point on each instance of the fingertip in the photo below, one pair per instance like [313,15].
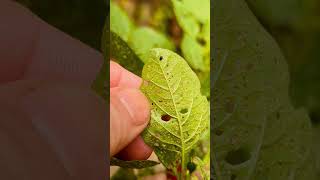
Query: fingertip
[136,150]
[136,104]
[129,115]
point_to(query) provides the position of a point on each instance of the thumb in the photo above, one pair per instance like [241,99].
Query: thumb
[129,115]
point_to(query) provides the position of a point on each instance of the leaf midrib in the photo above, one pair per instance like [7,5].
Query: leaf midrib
[178,115]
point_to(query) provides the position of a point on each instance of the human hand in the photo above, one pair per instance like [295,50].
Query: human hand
[52,126]
[129,115]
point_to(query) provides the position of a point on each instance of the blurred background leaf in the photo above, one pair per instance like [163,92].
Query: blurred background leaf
[257,133]
[143,39]
[295,24]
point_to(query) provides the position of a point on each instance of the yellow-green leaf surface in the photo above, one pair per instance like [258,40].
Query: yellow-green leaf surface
[258,134]
[179,114]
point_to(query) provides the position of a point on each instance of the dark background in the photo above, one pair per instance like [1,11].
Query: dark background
[81,19]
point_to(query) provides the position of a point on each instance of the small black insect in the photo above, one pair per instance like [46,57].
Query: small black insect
[161,58]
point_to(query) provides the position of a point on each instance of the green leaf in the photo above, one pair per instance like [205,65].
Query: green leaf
[199,9]
[123,54]
[120,23]
[195,44]
[141,40]
[257,133]
[192,52]
[204,78]
[136,164]
[186,20]
[179,113]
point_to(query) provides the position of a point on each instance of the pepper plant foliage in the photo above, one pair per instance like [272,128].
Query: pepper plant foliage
[257,133]
[177,85]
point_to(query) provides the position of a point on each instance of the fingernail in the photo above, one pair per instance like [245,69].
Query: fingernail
[136,104]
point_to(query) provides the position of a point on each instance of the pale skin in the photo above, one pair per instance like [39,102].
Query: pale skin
[52,125]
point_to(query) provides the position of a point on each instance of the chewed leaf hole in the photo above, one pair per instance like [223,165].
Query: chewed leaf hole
[166,117]
[160,58]
[238,156]
[201,41]
[184,110]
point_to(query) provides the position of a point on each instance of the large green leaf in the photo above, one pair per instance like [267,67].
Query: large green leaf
[179,113]
[142,39]
[257,133]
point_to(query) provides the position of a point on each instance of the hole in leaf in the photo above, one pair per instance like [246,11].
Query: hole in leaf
[238,156]
[184,110]
[166,117]
[201,41]
[161,58]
